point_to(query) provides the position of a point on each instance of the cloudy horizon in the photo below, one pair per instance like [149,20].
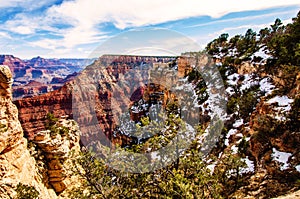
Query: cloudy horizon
[73,29]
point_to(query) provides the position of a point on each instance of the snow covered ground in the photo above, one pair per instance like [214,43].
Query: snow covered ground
[249,165]
[266,86]
[281,157]
[282,106]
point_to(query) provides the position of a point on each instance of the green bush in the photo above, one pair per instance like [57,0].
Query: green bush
[294,115]
[54,127]
[247,104]
[3,128]
[26,192]
[232,105]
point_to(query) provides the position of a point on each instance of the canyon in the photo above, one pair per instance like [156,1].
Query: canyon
[39,75]
[108,70]
[111,86]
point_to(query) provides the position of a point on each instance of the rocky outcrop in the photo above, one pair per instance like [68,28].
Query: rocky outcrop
[16,65]
[294,195]
[57,148]
[11,130]
[16,164]
[31,89]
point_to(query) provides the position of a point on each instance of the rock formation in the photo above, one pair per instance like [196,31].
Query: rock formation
[16,164]
[57,148]
[20,164]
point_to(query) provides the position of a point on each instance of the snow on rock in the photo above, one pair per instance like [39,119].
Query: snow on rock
[261,53]
[249,165]
[211,166]
[234,149]
[233,79]
[230,133]
[219,64]
[230,91]
[266,86]
[281,100]
[238,123]
[284,105]
[226,142]
[297,168]
[281,157]
[249,81]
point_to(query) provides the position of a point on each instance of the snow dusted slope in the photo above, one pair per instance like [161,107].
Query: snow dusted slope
[258,129]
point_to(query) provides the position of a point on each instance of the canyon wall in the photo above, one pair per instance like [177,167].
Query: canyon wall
[101,83]
[16,163]
[21,164]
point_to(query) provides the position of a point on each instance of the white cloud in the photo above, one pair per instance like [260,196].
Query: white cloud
[4,35]
[247,18]
[24,30]
[85,16]
[9,3]
[28,5]
[23,24]
[45,43]
[143,12]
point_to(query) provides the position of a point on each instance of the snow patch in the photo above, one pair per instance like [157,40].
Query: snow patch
[261,53]
[233,79]
[284,105]
[230,133]
[249,82]
[249,167]
[297,168]
[266,86]
[211,167]
[234,149]
[281,100]
[230,91]
[281,157]
[238,123]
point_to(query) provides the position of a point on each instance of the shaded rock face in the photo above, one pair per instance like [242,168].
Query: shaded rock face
[5,81]
[16,164]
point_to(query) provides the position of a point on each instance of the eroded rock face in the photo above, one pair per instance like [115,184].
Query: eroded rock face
[107,71]
[16,164]
[57,149]
[33,111]
[11,130]
[5,81]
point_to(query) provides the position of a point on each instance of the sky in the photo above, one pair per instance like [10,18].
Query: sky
[75,28]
